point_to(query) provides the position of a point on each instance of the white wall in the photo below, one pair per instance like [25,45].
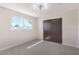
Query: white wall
[78,28]
[9,37]
[69,27]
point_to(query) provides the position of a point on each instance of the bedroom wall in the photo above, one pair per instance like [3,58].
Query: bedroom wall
[78,28]
[10,37]
[70,19]
[69,27]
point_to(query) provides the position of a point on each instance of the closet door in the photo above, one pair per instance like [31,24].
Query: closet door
[53,30]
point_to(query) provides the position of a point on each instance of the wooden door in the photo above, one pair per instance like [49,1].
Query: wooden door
[53,30]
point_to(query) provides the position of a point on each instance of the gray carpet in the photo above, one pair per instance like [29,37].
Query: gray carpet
[43,48]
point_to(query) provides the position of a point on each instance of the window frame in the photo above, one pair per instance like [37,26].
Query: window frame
[21,27]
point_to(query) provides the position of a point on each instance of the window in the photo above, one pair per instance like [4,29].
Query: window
[20,22]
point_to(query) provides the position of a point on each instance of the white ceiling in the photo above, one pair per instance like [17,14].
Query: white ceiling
[53,8]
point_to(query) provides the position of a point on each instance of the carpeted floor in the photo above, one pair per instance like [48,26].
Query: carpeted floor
[43,48]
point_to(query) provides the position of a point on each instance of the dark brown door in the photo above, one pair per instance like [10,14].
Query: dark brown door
[53,30]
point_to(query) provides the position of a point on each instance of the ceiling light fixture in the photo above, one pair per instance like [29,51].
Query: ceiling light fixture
[40,6]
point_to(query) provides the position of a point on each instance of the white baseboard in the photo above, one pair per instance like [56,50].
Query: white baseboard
[70,45]
[13,45]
